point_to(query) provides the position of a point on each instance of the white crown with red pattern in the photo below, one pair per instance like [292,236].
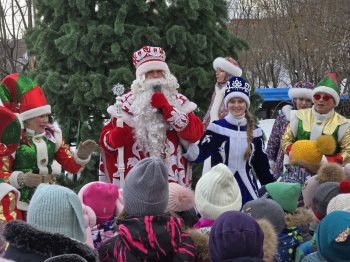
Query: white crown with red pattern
[149,58]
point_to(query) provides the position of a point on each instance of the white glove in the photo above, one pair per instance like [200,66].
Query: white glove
[272,165]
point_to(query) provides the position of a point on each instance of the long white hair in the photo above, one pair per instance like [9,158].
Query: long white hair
[150,126]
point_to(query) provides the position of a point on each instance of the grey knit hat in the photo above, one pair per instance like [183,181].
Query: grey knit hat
[57,209]
[146,190]
[322,196]
[268,209]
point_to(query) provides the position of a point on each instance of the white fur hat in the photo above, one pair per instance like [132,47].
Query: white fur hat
[227,64]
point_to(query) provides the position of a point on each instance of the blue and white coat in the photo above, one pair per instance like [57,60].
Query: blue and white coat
[225,140]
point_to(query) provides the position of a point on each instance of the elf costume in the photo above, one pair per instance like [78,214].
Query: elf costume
[35,152]
[309,124]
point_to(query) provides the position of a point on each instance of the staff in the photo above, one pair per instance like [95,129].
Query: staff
[118,90]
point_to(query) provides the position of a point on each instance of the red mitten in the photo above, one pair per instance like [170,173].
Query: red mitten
[177,119]
[118,136]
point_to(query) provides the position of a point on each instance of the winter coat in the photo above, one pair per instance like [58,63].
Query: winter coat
[293,234]
[225,140]
[306,248]
[274,149]
[298,171]
[149,238]
[313,257]
[201,241]
[29,244]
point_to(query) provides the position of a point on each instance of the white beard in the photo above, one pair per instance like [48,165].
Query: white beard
[150,126]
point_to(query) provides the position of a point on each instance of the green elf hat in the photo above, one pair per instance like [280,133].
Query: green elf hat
[22,95]
[330,86]
[10,132]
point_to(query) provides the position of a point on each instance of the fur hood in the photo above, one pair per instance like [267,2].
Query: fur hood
[270,239]
[21,234]
[286,111]
[201,244]
[301,217]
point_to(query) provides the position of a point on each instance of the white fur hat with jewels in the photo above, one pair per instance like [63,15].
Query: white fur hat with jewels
[237,87]
[227,64]
[149,58]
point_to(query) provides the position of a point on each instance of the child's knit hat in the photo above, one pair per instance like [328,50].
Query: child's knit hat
[57,209]
[146,190]
[180,198]
[102,198]
[268,209]
[285,194]
[333,237]
[328,172]
[233,235]
[312,151]
[324,194]
[340,202]
[216,192]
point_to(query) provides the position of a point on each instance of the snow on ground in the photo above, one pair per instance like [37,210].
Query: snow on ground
[266,125]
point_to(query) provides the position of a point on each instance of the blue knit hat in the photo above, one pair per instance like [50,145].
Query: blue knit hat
[237,87]
[333,237]
[57,209]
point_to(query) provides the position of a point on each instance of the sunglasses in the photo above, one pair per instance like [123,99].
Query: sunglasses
[325,98]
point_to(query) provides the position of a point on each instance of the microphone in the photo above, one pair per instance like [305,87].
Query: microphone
[158,88]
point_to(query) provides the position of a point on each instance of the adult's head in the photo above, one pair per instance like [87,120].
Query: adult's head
[237,95]
[57,209]
[152,74]
[225,68]
[326,94]
[301,94]
[22,95]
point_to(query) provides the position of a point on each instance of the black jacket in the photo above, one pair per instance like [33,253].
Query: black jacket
[29,244]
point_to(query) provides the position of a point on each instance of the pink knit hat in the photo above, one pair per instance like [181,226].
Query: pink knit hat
[101,198]
[180,198]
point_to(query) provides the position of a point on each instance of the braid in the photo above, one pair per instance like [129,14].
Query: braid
[250,128]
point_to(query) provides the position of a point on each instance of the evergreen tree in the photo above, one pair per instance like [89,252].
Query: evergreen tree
[84,47]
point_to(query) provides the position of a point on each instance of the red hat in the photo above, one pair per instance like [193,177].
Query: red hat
[10,132]
[22,95]
[149,58]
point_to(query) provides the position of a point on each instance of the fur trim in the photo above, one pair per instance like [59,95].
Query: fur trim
[151,65]
[312,167]
[215,107]
[201,244]
[270,239]
[300,93]
[286,111]
[326,144]
[329,91]
[237,94]
[22,234]
[227,66]
[38,111]
[330,172]
[301,217]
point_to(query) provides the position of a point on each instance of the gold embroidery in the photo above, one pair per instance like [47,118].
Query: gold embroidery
[342,237]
